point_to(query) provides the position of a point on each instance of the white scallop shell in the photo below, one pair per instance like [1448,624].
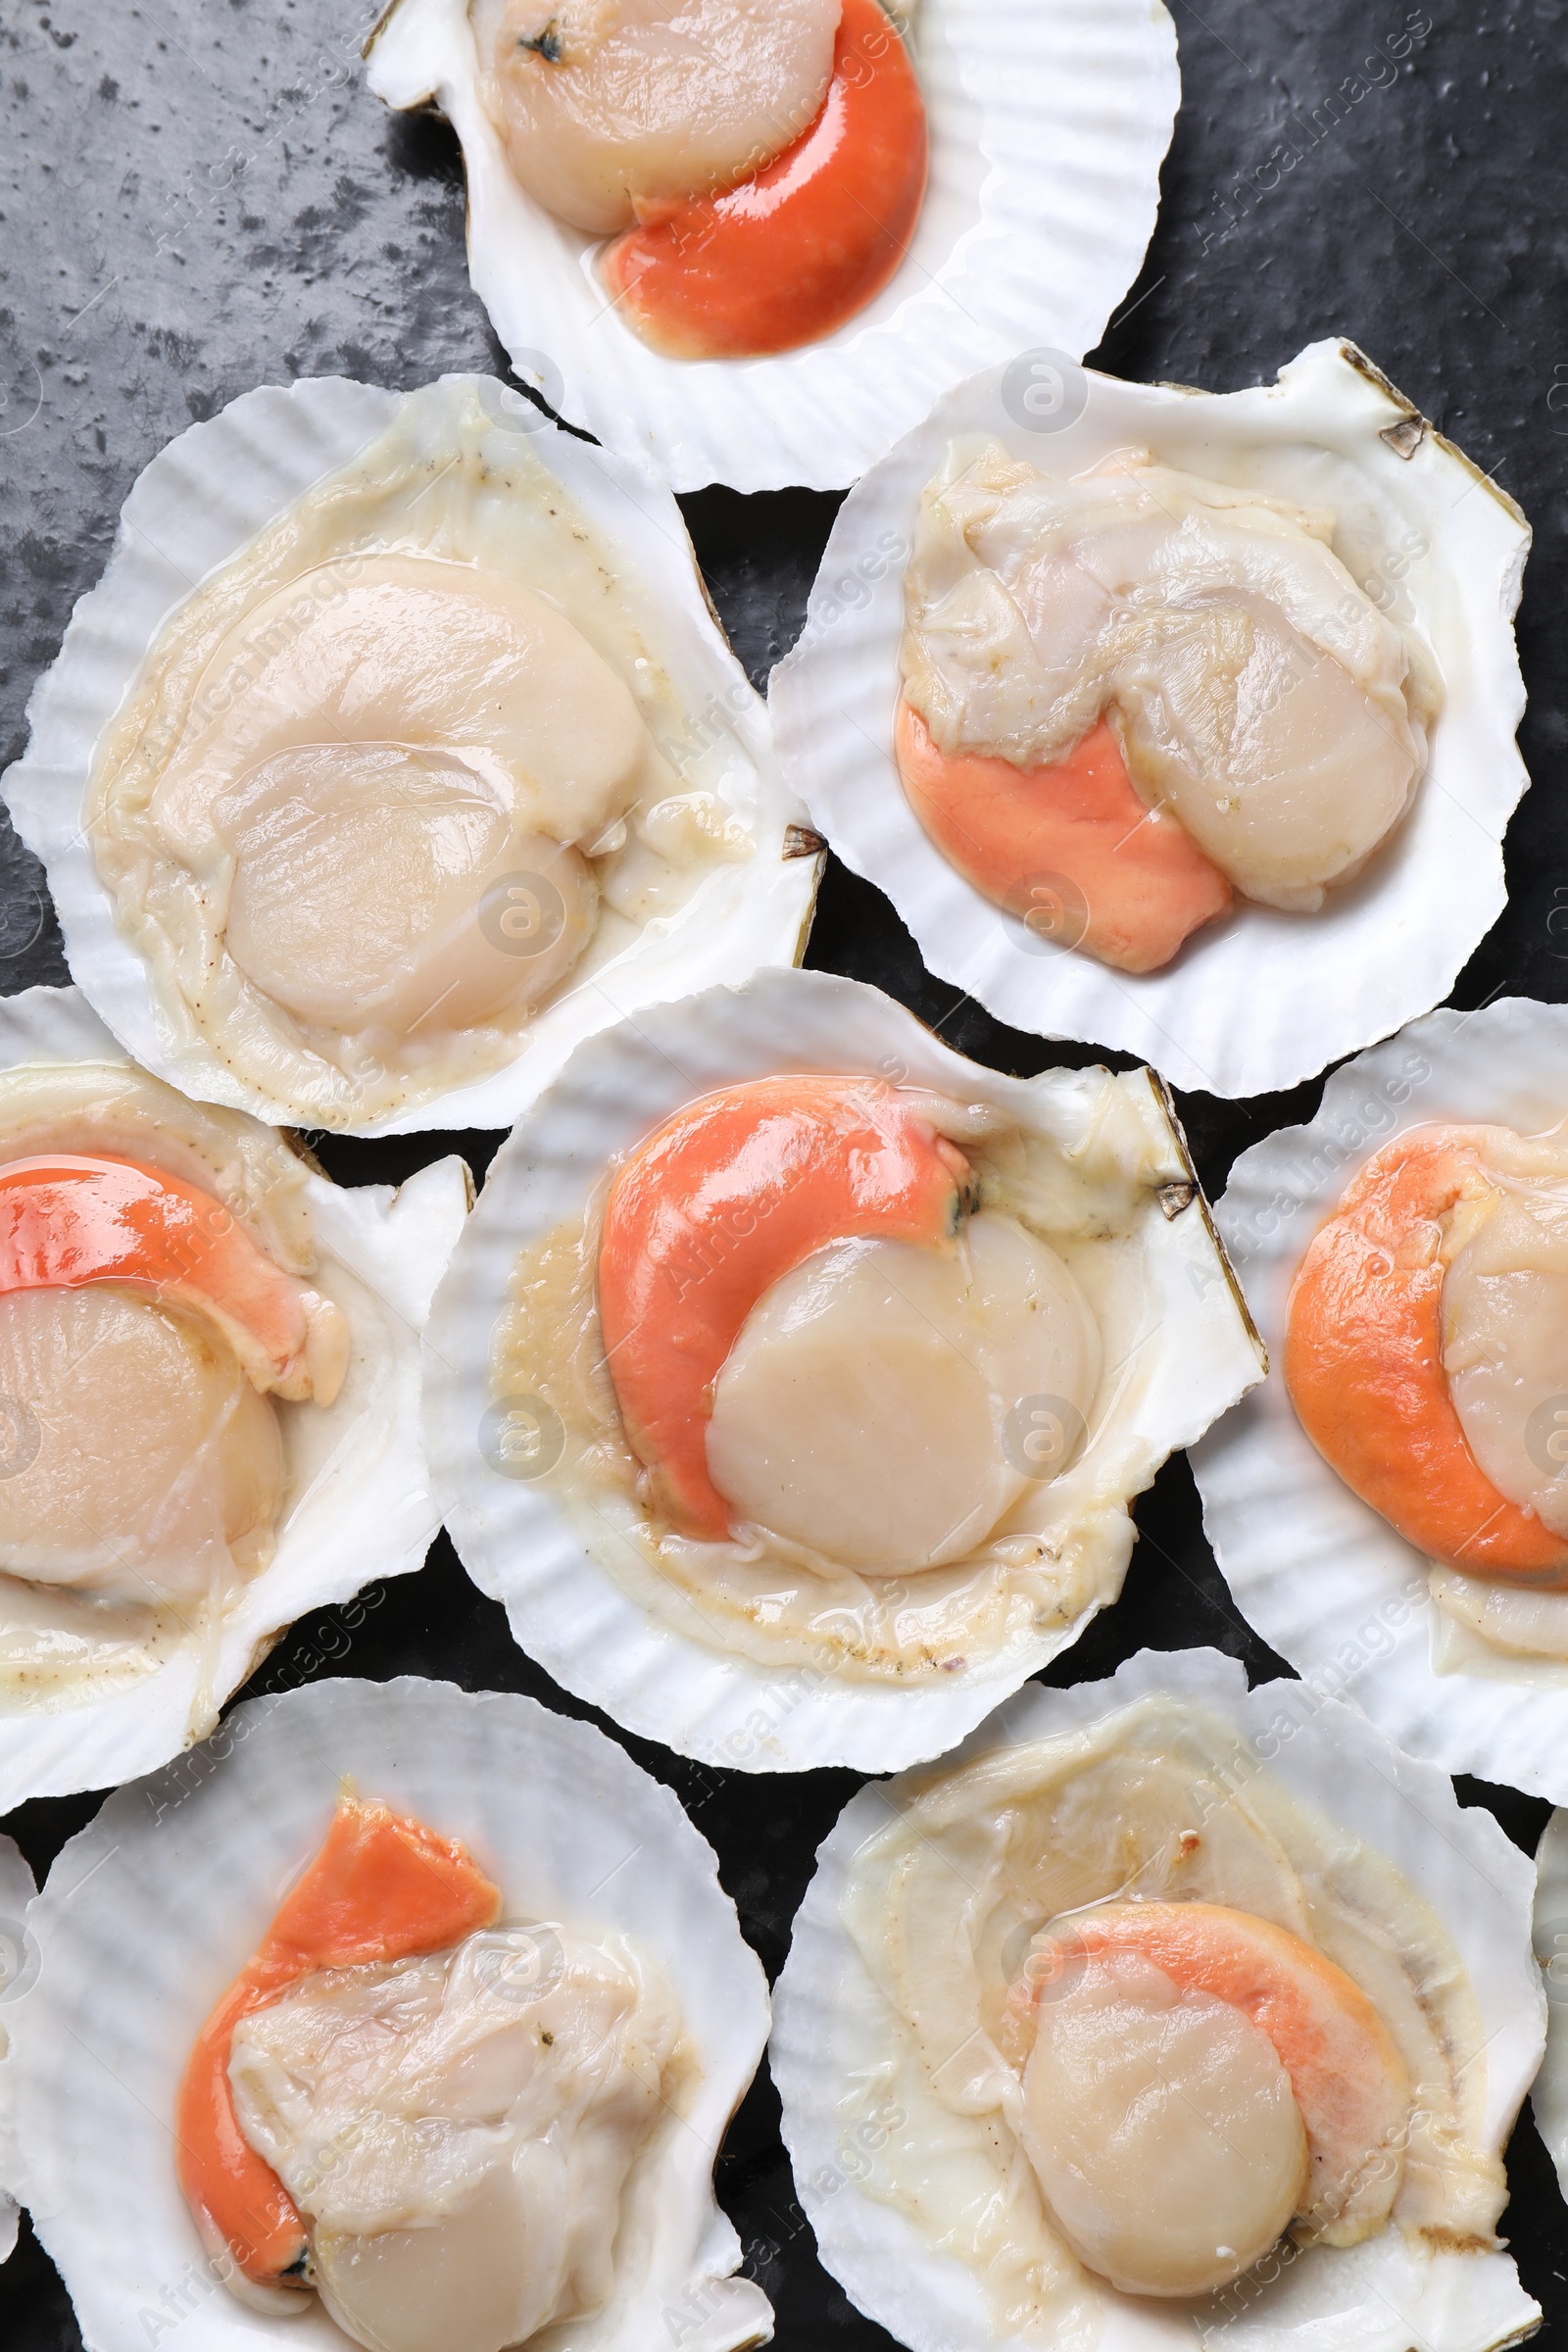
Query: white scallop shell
[200,501]
[154,1909]
[1383,2296]
[16,1891]
[1548,2097]
[1265,999]
[1049,120]
[1321,1575]
[516,1540]
[368,1511]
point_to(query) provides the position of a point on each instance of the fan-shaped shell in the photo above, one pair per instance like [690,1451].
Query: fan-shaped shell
[1321,1575]
[366,1510]
[199,504]
[1381,2296]
[152,1910]
[1264,999]
[1048,127]
[515,1538]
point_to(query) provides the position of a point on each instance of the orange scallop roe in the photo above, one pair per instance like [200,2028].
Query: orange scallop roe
[67,1219]
[801,246]
[719,1203]
[381,1887]
[1126,882]
[1346,2072]
[1363,1364]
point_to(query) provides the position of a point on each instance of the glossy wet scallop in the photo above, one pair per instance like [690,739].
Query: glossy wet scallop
[607,105]
[208,1397]
[799,1374]
[145,1467]
[863,1411]
[1162,2128]
[1185,725]
[416,2066]
[1258,700]
[441,763]
[1149,1977]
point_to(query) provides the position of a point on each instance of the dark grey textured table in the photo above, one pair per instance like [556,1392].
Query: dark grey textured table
[200,196]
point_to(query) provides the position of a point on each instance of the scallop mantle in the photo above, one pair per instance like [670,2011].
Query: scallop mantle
[1321,1575]
[1376,2298]
[518,1542]
[366,1512]
[1265,999]
[154,1908]
[1049,120]
[199,503]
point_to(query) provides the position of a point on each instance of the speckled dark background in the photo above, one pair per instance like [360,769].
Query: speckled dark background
[201,196]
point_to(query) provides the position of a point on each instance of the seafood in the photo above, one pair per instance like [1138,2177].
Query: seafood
[386,2020]
[419,2061]
[1387,1508]
[795,1377]
[1426,1336]
[1154,1990]
[207,1368]
[1173,721]
[1166,649]
[754,243]
[441,763]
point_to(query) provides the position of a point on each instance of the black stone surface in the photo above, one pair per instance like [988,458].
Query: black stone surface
[200,195]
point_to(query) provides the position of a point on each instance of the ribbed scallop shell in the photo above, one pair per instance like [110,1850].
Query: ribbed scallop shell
[1548,2097]
[154,1909]
[515,1538]
[194,508]
[1324,1577]
[1264,999]
[367,1513]
[16,1891]
[1383,2296]
[1049,120]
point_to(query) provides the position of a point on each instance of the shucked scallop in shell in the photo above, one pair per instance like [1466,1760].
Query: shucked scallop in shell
[398,749]
[920,1452]
[1465,1668]
[117,1652]
[157,1906]
[1418,560]
[1167,1790]
[1048,126]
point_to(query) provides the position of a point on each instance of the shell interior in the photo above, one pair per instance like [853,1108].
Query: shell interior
[210,495]
[524,1548]
[1323,1578]
[1025,108]
[1386,2293]
[154,1907]
[1267,998]
[358,1505]
[1549,2095]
